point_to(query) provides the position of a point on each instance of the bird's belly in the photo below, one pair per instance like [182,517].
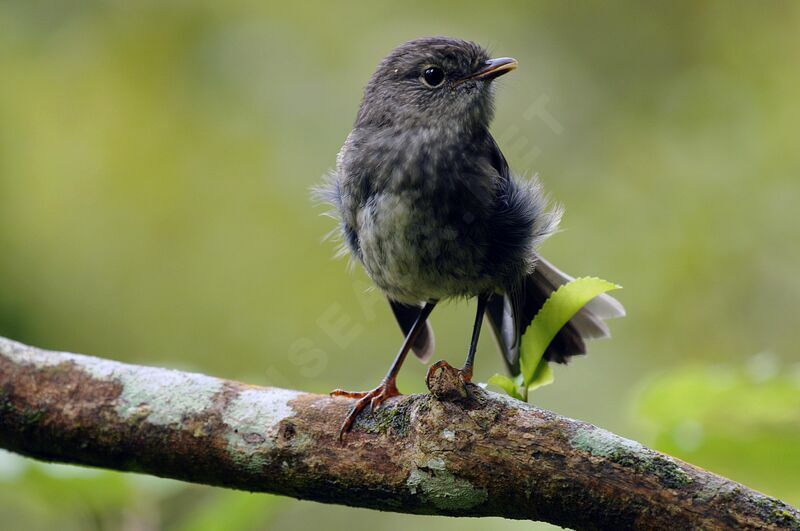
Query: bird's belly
[414,253]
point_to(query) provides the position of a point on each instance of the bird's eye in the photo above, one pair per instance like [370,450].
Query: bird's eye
[433,76]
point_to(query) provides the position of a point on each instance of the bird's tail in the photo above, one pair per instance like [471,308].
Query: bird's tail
[511,314]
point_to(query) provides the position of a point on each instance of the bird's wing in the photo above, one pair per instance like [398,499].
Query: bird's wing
[511,314]
[496,157]
[502,311]
[406,315]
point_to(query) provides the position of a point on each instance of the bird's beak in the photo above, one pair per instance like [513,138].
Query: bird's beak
[494,68]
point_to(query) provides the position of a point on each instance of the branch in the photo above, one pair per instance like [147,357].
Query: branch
[483,455]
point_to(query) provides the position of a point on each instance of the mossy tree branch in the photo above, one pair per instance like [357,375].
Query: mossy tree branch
[479,455]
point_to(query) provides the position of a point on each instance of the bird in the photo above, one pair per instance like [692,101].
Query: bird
[426,203]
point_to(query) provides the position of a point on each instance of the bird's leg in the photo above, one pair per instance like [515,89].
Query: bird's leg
[388,387]
[466,371]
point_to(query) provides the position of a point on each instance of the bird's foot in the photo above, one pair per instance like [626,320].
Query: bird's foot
[373,399]
[446,382]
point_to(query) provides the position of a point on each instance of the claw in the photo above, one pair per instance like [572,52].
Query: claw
[373,399]
[446,382]
[374,403]
[465,375]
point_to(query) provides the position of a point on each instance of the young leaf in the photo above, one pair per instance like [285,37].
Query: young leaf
[543,375]
[562,305]
[507,384]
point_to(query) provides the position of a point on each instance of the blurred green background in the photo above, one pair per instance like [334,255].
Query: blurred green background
[155,162]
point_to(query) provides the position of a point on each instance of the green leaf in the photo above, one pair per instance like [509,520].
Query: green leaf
[557,310]
[543,375]
[562,305]
[507,384]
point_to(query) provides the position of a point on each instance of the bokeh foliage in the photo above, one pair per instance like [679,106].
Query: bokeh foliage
[740,421]
[155,160]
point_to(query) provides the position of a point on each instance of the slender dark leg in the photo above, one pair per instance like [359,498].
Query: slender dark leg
[476,333]
[388,387]
[466,371]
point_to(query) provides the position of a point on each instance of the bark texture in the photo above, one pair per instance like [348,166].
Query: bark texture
[459,452]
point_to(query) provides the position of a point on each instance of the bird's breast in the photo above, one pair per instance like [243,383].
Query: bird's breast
[420,205]
[416,247]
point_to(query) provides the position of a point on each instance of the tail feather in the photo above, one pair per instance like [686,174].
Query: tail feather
[603,306]
[510,315]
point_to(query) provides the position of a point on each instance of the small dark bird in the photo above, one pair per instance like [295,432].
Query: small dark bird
[428,206]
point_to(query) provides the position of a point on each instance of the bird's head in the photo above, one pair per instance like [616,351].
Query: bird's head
[430,82]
